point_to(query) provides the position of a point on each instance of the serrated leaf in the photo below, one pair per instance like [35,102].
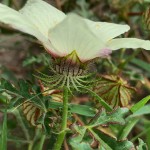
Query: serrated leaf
[106,118]
[114,90]
[21,94]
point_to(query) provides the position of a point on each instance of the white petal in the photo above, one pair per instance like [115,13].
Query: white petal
[16,20]
[134,43]
[107,31]
[35,18]
[74,34]
[42,15]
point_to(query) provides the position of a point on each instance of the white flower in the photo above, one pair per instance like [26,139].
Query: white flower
[62,34]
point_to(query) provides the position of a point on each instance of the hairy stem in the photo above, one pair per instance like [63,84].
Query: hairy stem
[62,134]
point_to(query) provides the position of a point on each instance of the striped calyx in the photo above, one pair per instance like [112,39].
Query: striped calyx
[70,65]
[67,71]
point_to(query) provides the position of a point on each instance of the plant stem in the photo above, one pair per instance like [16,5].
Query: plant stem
[21,123]
[42,142]
[62,134]
[30,146]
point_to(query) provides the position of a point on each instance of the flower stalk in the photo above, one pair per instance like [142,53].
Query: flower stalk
[62,134]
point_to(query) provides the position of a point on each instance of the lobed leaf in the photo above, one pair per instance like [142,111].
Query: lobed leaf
[106,118]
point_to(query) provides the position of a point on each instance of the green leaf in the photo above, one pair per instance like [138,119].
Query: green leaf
[142,145]
[101,101]
[29,61]
[46,123]
[24,89]
[41,58]
[3,99]
[82,110]
[55,105]
[77,142]
[75,108]
[3,138]
[126,129]
[142,111]
[142,64]
[15,102]
[140,104]
[103,144]
[22,94]
[115,117]
[8,86]
[114,143]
